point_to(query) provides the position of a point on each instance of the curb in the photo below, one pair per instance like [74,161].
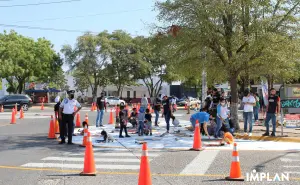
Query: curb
[268,138]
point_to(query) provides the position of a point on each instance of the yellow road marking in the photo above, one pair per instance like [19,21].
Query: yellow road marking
[121,173]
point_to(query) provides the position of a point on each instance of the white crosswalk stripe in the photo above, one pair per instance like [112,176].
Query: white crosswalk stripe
[291,163]
[105,159]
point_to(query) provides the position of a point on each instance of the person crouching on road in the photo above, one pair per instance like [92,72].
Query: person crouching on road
[123,121]
[67,109]
[203,119]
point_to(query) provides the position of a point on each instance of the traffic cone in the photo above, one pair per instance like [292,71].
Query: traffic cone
[111,117]
[92,107]
[56,127]
[51,134]
[86,118]
[75,109]
[145,173]
[89,168]
[21,113]
[13,116]
[197,146]
[185,106]
[1,109]
[42,107]
[85,134]
[16,109]
[235,169]
[78,121]
[95,107]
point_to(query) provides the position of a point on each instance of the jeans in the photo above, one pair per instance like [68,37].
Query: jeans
[99,118]
[123,127]
[248,120]
[167,118]
[256,110]
[218,127]
[270,116]
[141,128]
[156,116]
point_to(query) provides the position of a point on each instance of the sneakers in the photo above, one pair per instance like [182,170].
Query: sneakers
[266,134]
[250,134]
[121,136]
[127,136]
[273,134]
[62,142]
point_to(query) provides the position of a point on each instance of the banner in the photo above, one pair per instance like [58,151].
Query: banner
[265,92]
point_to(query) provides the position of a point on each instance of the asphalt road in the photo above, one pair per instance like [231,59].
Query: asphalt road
[25,145]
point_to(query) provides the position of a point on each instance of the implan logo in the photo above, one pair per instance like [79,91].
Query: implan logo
[261,176]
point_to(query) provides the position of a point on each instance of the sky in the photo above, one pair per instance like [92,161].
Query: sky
[133,16]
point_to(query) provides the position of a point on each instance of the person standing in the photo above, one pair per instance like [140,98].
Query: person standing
[249,102]
[167,111]
[256,108]
[123,121]
[67,109]
[157,107]
[101,105]
[273,107]
[223,116]
[144,102]
[173,102]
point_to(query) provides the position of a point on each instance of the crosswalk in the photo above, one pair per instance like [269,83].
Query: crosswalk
[291,163]
[117,159]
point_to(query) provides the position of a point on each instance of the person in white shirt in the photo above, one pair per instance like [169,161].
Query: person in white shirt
[248,101]
[67,108]
[173,102]
[144,102]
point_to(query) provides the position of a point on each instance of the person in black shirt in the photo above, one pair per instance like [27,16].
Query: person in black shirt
[273,107]
[56,112]
[167,111]
[123,121]
[157,110]
[101,105]
[148,121]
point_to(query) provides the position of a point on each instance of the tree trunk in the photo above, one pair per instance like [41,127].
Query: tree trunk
[234,102]
[20,86]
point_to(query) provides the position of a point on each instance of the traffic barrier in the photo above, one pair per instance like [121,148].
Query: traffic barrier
[111,117]
[85,135]
[89,168]
[51,134]
[21,113]
[77,121]
[145,173]
[197,145]
[235,168]
[86,118]
[13,116]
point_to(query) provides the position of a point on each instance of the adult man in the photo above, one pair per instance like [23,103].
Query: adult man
[67,108]
[101,105]
[144,102]
[157,107]
[167,111]
[248,101]
[272,107]
[203,119]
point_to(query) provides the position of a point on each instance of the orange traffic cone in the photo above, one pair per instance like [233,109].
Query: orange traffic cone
[145,173]
[197,146]
[75,109]
[86,118]
[111,117]
[89,168]
[13,117]
[1,109]
[42,107]
[21,113]
[185,106]
[235,169]
[56,127]
[51,134]
[85,134]
[92,107]
[16,109]
[78,121]
[95,107]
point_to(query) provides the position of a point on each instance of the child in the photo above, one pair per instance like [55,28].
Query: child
[148,121]
[141,119]
[133,117]
[175,123]
[84,125]
[106,137]
[123,122]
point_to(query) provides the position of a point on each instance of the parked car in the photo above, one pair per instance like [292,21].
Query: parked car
[22,100]
[111,100]
[193,101]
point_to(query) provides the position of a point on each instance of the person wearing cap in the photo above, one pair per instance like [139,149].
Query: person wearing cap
[67,109]
[167,111]
[101,105]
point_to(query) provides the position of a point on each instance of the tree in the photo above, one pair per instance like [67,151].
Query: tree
[22,57]
[238,33]
[88,58]
[124,60]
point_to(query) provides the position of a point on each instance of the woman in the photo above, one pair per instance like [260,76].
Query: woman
[222,117]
